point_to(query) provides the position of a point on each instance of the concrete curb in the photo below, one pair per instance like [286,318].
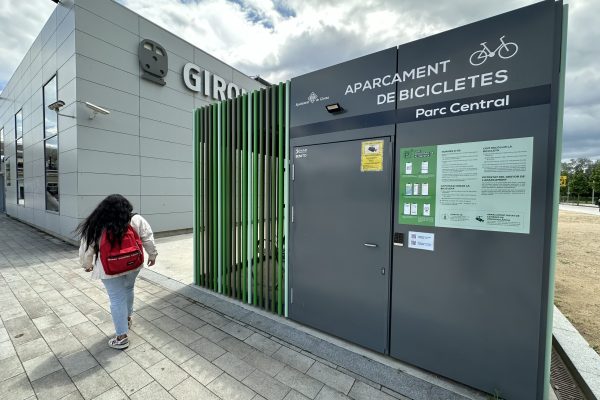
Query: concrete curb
[387,376]
[576,351]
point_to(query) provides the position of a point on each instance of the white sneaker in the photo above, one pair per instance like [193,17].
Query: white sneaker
[119,344]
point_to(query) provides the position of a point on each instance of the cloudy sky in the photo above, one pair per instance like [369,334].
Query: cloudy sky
[279,39]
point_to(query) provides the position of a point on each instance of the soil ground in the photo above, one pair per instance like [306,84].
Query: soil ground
[577,281]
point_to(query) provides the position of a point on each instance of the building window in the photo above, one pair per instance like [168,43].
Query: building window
[7,174]
[19,157]
[51,146]
[1,145]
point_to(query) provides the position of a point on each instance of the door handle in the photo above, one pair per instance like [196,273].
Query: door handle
[370,245]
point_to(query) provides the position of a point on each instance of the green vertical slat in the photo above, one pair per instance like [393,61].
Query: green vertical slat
[224,197]
[280,191]
[261,194]
[286,199]
[203,210]
[196,141]
[227,199]
[215,198]
[209,198]
[207,194]
[274,177]
[250,211]
[244,133]
[232,197]
[255,200]
[233,201]
[266,244]
[200,148]
[238,182]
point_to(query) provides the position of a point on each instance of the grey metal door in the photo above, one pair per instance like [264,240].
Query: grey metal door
[340,240]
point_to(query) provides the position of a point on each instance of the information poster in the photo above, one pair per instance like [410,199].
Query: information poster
[418,185]
[478,185]
[371,156]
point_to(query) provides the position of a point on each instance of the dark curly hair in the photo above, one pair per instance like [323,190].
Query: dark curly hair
[113,215]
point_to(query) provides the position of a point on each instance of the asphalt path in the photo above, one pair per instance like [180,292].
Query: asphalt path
[580,209]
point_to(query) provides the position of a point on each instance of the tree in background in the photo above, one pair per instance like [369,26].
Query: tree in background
[595,178]
[583,176]
[579,184]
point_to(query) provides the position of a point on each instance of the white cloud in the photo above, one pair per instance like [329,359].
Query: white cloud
[20,23]
[284,38]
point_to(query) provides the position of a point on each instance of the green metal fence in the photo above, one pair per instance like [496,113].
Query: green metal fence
[241,153]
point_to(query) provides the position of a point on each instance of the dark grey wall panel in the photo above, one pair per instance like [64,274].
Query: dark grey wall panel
[529,28]
[471,309]
[330,84]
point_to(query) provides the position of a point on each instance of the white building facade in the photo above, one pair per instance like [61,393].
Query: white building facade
[60,161]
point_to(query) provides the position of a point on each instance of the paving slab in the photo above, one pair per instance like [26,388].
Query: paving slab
[54,386]
[207,349]
[41,366]
[131,378]
[300,382]
[7,350]
[78,362]
[266,386]
[234,366]
[17,387]
[145,355]
[152,392]
[93,382]
[293,358]
[167,373]
[201,369]
[191,389]
[263,343]
[331,377]
[227,388]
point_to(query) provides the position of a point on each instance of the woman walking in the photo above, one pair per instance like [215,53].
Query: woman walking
[112,237]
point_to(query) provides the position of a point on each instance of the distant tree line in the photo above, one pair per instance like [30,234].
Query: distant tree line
[583,180]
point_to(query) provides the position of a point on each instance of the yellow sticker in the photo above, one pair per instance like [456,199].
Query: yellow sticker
[563,181]
[371,157]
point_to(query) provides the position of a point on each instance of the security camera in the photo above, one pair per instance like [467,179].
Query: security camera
[96,110]
[57,105]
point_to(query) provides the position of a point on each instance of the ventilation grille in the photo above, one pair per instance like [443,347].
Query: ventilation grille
[562,382]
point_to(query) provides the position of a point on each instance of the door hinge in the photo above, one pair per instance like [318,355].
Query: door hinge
[293,172]
[292,213]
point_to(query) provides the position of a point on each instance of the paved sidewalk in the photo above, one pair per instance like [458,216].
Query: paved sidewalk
[55,323]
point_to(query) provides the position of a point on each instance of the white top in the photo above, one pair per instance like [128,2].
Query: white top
[143,229]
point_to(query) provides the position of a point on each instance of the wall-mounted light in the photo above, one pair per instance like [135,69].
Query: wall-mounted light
[56,106]
[334,108]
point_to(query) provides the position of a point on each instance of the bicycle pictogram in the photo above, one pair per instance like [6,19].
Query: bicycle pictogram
[504,50]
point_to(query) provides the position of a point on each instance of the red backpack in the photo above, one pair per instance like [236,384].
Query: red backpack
[123,257]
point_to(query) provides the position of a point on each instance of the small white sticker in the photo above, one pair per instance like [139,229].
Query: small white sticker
[421,240]
[413,209]
[406,208]
[427,210]
[416,189]
[408,168]
[425,189]
[424,167]
[409,187]
[301,152]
